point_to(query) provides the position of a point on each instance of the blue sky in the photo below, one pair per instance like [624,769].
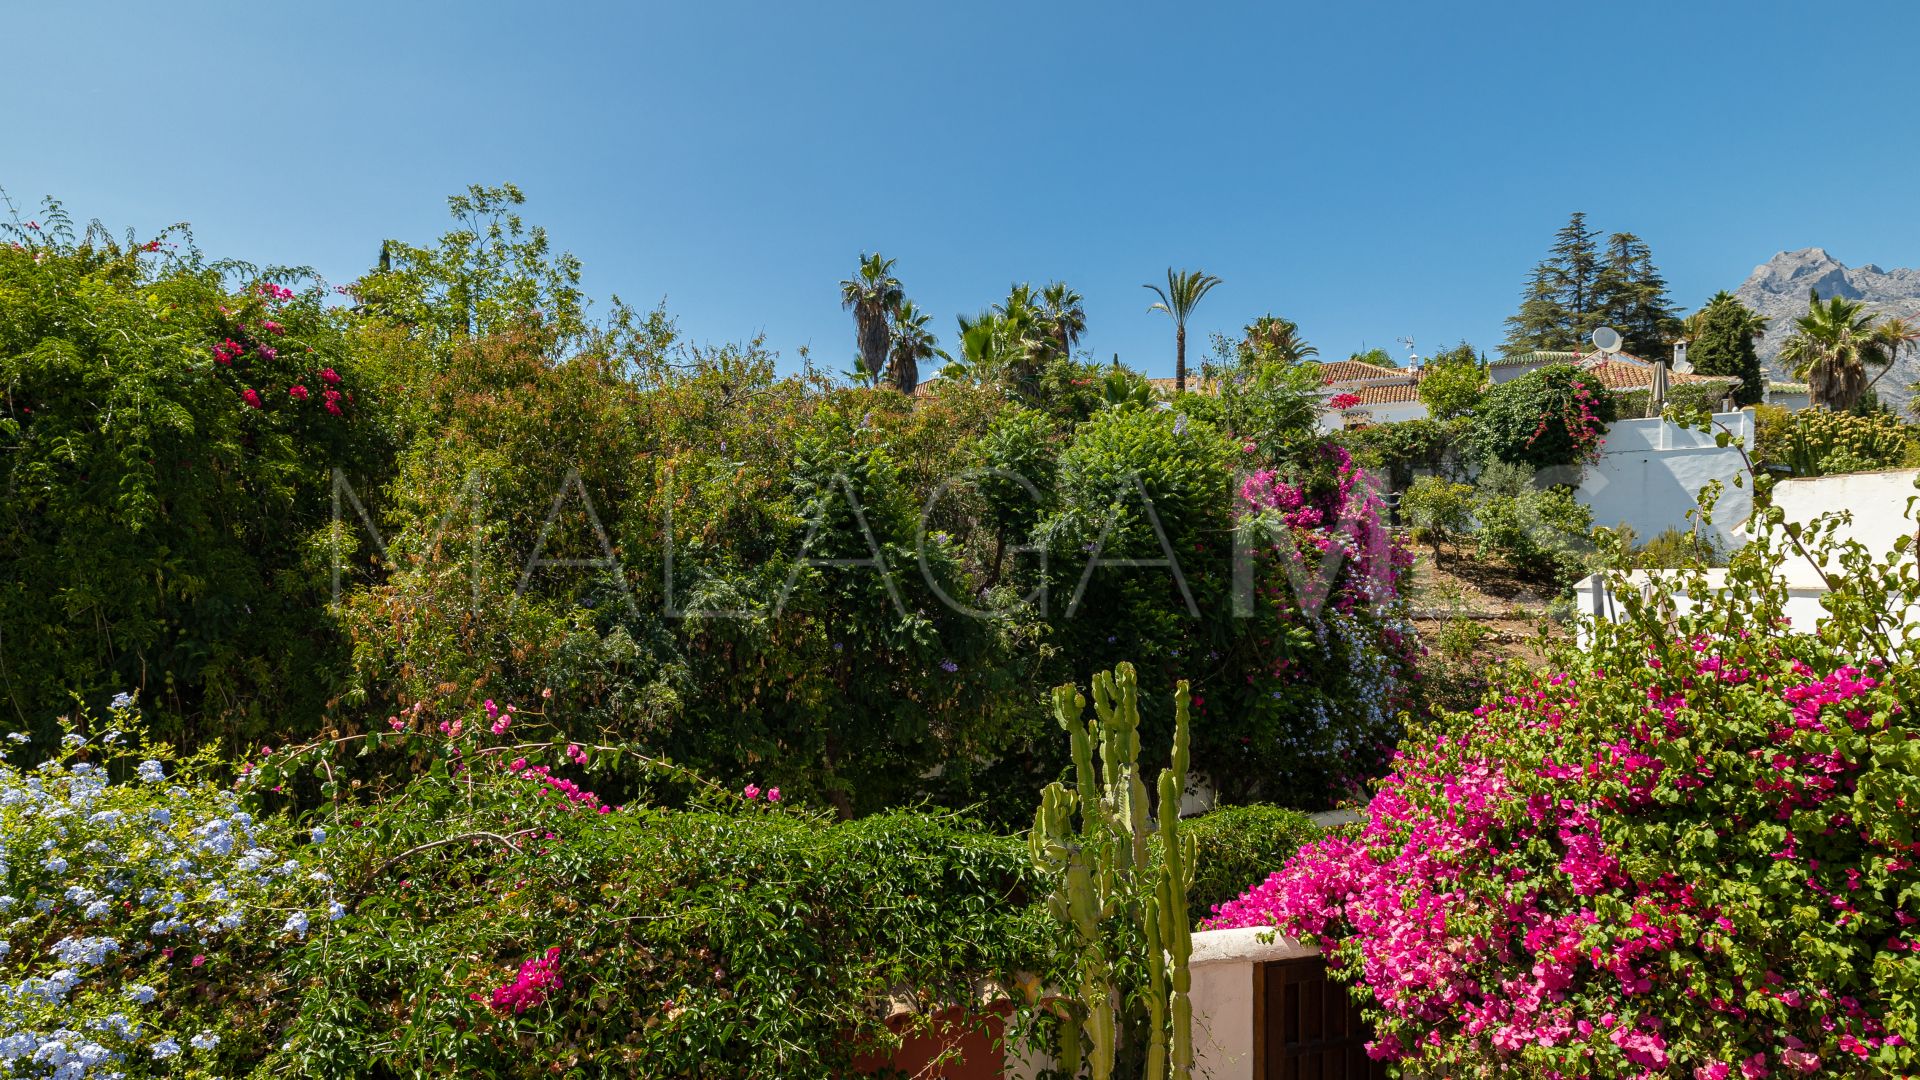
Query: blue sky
[1373,170]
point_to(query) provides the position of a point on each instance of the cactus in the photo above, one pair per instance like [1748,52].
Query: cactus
[1106,883]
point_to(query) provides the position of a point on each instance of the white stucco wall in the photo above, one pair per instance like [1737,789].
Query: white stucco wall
[1877,501]
[1651,472]
[1222,992]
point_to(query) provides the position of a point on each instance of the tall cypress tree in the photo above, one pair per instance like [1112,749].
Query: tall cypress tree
[1558,308]
[1721,337]
[1632,298]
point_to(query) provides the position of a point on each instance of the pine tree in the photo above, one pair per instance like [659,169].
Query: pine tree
[1631,297]
[1560,304]
[1721,337]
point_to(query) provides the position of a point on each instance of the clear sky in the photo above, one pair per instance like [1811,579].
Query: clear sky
[1372,170]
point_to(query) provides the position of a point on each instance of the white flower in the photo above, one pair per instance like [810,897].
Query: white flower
[19,736]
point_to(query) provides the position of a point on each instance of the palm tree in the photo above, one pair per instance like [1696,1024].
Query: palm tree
[1833,345]
[1896,334]
[873,295]
[1278,340]
[1182,294]
[912,343]
[1063,318]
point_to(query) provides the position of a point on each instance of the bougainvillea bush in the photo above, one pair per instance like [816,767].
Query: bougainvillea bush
[503,918]
[1688,851]
[138,897]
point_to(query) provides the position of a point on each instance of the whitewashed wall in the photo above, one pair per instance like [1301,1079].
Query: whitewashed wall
[1651,473]
[1877,500]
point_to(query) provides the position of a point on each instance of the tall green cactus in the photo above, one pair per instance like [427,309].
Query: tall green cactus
[1106,885]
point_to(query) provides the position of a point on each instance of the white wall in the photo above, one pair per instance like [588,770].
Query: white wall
[1877,500]
[1222,966]
[1651,473]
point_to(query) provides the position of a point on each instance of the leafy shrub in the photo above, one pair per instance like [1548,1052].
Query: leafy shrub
[168,431]
[1397,451]
[1554,416]
[135,906]
[1685,397]
[1438,510]
[1687,851]
[1816,442]
[1677,549]
[739,938]
[1238,844]
[1539,532]
[1453,383]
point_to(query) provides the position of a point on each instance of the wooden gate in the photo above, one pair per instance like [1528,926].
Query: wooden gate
[1306,1027]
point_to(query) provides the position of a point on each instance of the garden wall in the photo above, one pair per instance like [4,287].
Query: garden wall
[1651,472]
[1877,500]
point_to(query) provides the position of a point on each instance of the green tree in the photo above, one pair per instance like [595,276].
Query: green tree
[1720,337]
[1062,319]
[1832,346]
[1183,293]
[490,275]
[913,343]
[1560,305]
[1631,297]
[1453,382]
[873,294]
[1554,416]
[1376,356]
[1271,339]
[1438,509]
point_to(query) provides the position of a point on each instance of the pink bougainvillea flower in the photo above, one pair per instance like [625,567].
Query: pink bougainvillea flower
[751,791]
[773,795]
[297,392]
[251,397]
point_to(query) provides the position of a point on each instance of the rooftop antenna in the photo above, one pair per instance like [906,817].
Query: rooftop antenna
[1413,358]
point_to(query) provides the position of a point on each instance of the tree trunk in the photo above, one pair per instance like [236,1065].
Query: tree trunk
[1180,359]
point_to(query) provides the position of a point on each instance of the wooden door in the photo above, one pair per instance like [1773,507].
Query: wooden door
[1305,1025]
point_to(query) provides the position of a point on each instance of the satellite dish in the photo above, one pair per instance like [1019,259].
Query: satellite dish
[1680,362]
[1606,339]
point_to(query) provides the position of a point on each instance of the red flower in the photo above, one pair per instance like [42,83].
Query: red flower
[297,392]
[1343,401]
[251,397]
[330,377]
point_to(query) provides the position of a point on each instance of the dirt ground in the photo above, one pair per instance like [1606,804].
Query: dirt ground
[1478,611]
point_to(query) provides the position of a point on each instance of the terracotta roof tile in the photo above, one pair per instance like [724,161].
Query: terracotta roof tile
[1387,394]
[1334,372]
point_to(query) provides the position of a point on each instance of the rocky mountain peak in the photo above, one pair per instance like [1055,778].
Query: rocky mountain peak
[1779,287]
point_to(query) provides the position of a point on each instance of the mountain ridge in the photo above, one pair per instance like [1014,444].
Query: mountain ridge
[1779,288]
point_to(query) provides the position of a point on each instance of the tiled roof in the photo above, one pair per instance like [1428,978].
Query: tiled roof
[1385,394]
[1780,387]
[1536,358]
[1629,374]
[1334,372]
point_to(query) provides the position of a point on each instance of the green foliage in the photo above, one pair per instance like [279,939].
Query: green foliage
[1815,442]
[1579,288]
[169,430]
[736,939]
[1678,549]
[1238,844]
[1453,382]
[1539,532]
[491,275]
[1438,510]
[1720,342]
[1397,451]
[1553,416]
[1708,397]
